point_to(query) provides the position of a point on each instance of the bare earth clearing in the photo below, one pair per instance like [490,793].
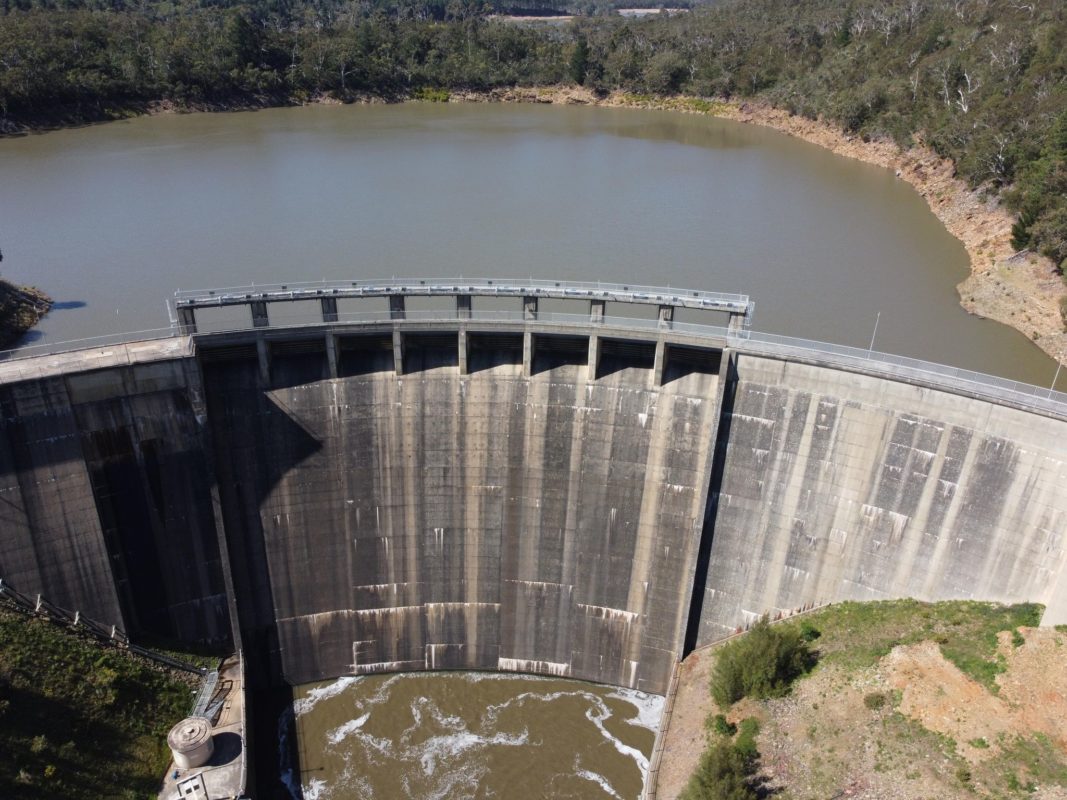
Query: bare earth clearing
[940,734]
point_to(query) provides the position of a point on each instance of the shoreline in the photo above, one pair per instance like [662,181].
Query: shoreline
[1020,290]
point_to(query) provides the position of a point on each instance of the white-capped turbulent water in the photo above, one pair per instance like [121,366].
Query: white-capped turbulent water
[434,736]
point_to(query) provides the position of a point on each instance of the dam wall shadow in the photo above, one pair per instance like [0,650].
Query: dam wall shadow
[570,500]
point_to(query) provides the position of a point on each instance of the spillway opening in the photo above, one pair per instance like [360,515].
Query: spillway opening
[423,351]
[293,363]
[364,355]
[489,350]
[617,355]
[682,361]
[551,351]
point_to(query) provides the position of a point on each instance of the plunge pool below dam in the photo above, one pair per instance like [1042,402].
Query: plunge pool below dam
[471,734]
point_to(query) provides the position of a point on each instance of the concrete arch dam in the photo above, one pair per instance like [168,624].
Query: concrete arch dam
[587,498]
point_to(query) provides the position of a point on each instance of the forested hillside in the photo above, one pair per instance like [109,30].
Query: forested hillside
[983,81]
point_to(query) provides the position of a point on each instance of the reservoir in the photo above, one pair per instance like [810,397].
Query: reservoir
[112,219]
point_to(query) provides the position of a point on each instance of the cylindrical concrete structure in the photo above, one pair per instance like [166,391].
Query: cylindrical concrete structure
[191,743]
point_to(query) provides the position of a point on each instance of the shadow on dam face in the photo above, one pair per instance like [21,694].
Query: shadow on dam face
[256,442]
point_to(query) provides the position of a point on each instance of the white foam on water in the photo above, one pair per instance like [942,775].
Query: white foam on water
[492,712]
[441,748]
[382,746]
[338,735]
[478,677]
[319,693]
[315,789]
[448,762]
[649,707]
[455,783]
[597,717]
[446,721]
[600,780]
[381,694]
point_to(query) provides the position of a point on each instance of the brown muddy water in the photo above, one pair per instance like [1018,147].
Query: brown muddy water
[111,219]
[470,734]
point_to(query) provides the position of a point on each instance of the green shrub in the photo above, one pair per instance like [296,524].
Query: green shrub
[723,774]
[763,663]
[1017,639]
[746,739]
[874,700]
[719,724]
[979,743]
[808,632]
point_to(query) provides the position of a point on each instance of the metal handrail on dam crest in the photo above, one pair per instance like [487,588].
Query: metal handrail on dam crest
[738,335]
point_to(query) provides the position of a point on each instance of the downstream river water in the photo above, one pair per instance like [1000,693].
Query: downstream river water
[111,219]
[479,735]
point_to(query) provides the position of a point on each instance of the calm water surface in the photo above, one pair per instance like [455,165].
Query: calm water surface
[111,219]
[478,735]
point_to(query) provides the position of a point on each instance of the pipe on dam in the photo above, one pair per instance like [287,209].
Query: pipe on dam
[583,499]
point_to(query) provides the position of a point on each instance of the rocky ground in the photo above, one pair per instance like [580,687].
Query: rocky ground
[20,309]
[909,725]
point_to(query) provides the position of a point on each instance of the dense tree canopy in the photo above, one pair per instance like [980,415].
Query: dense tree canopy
[983,81]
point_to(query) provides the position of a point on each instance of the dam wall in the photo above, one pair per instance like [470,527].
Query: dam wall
[586,498]
[836,485]
[104,503]
[540,522]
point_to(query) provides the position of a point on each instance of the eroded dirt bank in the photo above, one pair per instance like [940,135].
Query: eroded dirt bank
[934,732]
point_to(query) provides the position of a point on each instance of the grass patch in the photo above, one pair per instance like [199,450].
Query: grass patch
[703,106]
[852,637]
[1025,762]
[857,635]
[79,721]
[431,94]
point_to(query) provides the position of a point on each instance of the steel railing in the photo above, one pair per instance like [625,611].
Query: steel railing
[752,342]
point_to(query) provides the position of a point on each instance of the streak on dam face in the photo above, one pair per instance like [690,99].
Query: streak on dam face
[434,520]
[581,500]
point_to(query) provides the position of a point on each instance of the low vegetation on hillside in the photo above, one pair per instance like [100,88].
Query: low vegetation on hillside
[907,699]
[81,721]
